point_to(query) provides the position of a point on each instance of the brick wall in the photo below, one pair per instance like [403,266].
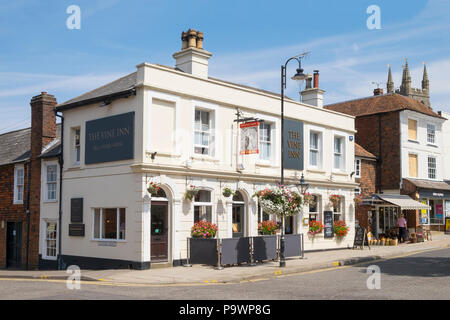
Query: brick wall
[380,135]
[368,186]
[10,212]
[43,131]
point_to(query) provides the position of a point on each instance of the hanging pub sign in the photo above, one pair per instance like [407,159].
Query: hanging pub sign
[293,145]
[110,139]
[249,137]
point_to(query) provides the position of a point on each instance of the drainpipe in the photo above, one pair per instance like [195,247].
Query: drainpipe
[61,265]
[28,209]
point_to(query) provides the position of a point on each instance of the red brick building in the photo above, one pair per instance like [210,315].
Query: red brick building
[365,175]
[21,155]
[404,134]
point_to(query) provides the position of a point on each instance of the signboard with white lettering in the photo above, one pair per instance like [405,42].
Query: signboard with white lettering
[110,139]
[293,145]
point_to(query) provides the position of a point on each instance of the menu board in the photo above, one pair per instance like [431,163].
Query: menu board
[328,224]
[360,238]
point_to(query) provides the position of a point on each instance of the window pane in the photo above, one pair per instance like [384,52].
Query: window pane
[122,223]
[97,224]
[314,141]
[203,196]
[51,173]
[51,191]
[109,224]
[313,157]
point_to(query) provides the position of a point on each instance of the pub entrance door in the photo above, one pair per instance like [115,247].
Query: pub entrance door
[14,245]
[159,250]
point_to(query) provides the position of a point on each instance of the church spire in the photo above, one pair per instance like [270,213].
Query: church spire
[425,81]
[390,82]
[405,87]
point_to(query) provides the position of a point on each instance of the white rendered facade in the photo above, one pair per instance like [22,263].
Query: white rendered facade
[165,108]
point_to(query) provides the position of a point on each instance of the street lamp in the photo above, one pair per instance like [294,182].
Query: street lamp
[303,185]
[299,77]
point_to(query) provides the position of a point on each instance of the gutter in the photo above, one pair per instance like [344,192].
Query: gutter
[28,210]
[61,264]
[106,99]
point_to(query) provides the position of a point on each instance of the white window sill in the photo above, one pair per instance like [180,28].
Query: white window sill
[204,158]
[109,240]
[339,173]
[49,258]
[162,154]
[432,145]
[51,201]
[18,202]
[316,170]
[413,141]
[265,163]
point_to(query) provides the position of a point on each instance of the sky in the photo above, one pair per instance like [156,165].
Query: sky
[249,41]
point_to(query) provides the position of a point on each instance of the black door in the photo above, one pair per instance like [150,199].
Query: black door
[159,232]
[14,244]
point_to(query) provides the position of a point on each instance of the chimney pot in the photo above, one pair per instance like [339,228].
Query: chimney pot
[199,40]
[192,38]
[184,40]
[316,79]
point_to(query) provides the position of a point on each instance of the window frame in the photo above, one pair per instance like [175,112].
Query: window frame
[318,150]
[76,148]
[47,183]
[417,165]
[341,212]
[117,239]
[203,205]
[416,128]
[214,152]
[46,238]
[17,168]
[269,142]
[342,140]
[433,134]
[358,163]
[430,168]
[318,212]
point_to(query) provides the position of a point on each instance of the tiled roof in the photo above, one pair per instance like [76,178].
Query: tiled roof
[361,152]
[427,184]
[380,104]
[15,145]
[122,84]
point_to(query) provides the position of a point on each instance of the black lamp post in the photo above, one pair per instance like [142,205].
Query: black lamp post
[299,77]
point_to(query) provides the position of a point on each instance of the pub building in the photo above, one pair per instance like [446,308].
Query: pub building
[175,127]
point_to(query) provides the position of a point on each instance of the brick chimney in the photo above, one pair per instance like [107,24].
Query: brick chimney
[193,58]
[313,96]
[378,92]
[43,131]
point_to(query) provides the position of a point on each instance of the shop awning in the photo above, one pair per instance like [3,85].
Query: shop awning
[404,202]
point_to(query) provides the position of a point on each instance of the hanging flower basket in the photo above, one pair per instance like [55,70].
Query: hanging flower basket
[280,201]
[204,229]
[358,199]
[153,188]
[308,199]
[315,227]
[268,227]
[334,199]
[191,192]
[227,192]
[340,228]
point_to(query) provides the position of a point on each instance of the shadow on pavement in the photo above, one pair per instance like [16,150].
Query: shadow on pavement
[416,266]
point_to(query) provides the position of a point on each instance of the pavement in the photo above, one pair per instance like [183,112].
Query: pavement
[207,274]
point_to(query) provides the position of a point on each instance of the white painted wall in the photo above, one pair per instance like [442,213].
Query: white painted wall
[421,147]
[446,146]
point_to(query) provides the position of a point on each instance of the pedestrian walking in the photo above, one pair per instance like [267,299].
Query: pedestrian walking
[401,223]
